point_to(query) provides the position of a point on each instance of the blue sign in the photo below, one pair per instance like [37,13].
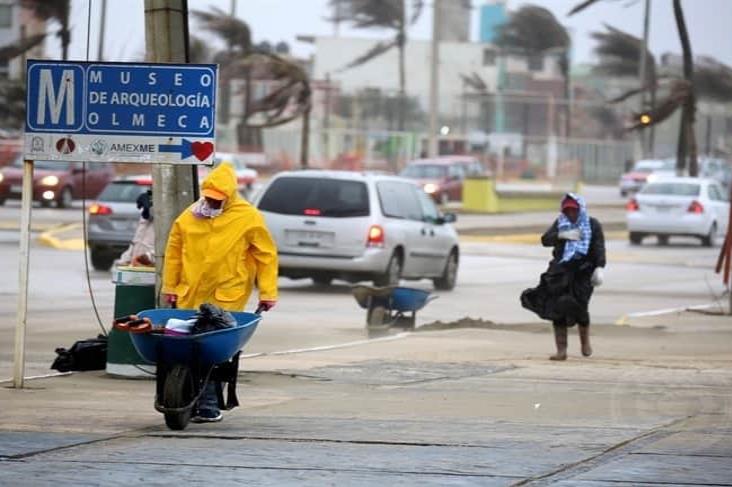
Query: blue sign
[115,105]
[155,99]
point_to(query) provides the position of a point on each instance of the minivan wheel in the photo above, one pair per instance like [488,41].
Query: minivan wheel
[65,198]
[101,261]
[708,241]
[635,238]
[393,273]
[447,281]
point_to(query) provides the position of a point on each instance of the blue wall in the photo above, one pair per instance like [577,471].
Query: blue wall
[492,16]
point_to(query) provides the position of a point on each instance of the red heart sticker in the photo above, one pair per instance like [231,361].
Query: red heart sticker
[202,150]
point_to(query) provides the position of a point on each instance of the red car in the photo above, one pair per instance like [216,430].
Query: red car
[56,181]
[442,177]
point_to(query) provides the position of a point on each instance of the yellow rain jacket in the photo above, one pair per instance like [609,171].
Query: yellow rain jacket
[218,260]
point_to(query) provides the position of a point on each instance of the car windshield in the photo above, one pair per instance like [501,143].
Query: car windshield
[123,191]
[650,166]
[424,171]
[672,189]
[316,197]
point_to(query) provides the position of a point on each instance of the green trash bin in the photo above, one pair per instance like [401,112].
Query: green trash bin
[134,292]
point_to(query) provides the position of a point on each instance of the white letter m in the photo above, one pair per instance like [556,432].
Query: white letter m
[56,100]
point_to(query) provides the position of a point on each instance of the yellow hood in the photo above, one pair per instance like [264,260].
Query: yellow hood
[223,180]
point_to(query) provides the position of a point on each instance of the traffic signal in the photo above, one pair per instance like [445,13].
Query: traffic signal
[645,119]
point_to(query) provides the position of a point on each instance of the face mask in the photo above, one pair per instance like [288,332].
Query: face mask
[203,210]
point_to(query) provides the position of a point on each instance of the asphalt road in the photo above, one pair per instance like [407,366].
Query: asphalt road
[491,277]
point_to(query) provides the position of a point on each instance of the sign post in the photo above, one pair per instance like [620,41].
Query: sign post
[24,257]
[110,112]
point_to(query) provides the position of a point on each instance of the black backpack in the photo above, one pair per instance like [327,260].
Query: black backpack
[89,354]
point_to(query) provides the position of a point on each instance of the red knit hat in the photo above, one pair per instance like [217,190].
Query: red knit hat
[569,202]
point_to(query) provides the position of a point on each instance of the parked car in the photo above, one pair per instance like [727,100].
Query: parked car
[442,177]
[717,169]
[113,219]
[56,181]
[645,171]
[358,226]
[676,206]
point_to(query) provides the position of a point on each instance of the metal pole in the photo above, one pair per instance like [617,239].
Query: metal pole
[305,139]
[433,149]
[102,26]
[642,71]
[24,258]
[172,184]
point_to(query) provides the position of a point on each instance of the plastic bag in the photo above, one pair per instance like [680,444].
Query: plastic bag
[210,318]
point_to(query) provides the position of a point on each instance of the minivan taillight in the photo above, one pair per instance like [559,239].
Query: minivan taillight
[632,205]
[375,236]
[696,207]
[98,209]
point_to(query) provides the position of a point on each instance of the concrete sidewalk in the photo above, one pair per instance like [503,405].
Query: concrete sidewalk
[479,406]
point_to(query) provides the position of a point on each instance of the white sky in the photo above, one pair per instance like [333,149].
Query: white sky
[274,20]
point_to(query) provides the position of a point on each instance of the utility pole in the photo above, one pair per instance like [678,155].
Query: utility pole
[643,74]
[173,186]
[102,27]
[433,149]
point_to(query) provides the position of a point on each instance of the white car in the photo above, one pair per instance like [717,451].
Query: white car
[676,206]
[358,226]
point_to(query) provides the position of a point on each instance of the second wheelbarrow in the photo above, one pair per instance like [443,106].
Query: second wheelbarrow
[391,305]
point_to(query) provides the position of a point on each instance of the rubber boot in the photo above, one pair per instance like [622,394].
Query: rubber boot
[584,334]
[560,338]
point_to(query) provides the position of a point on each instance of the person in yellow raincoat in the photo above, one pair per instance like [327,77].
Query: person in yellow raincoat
[218,248]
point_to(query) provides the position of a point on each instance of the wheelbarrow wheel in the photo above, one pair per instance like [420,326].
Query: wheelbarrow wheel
[177,393]
[376,316]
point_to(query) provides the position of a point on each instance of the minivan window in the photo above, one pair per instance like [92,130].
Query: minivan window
[399,200]
[123,192]
[337,198]
[429,210]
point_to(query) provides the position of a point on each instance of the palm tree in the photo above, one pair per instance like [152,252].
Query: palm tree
[534,31]
[240,60]
[383,14]
[620,56]
[683,94]
[53,9]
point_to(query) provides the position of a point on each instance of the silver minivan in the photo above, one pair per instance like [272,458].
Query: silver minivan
[358,226]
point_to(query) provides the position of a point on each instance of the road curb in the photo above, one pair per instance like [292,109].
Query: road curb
[536,230]
[49,238]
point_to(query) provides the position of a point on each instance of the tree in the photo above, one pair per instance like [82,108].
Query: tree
[620,56]
[682,94]
[12,92]
[57,10]
[534,31]
[384,14]
[289,96]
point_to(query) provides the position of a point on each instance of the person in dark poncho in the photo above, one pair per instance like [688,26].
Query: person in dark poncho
[564,290]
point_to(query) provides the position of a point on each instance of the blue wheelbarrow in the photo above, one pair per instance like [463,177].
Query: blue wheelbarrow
[391,305]
[185,364]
